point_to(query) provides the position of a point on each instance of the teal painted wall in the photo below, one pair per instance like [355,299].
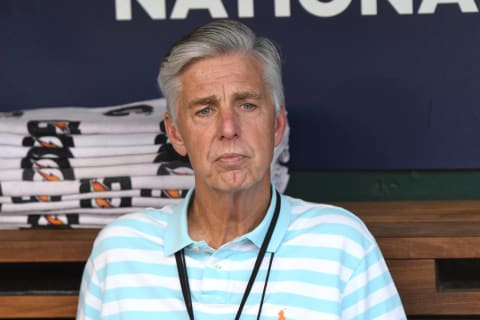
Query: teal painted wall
[327,186]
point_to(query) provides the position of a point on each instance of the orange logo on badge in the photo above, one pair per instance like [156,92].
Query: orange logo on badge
[281,315]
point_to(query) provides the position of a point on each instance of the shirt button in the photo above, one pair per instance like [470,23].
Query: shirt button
[216,266]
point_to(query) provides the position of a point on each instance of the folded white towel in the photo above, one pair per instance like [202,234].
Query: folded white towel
[143,116]
[60,188]
[60,174]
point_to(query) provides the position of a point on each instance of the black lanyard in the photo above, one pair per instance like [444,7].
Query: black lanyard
[183,276]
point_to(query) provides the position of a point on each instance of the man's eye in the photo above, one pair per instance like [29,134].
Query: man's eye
[248,106]
[205,111]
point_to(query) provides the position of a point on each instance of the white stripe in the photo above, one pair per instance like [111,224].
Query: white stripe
[80,315]
[315,265]
[118,255]
[91,272]
[137,280]
[299,206]
[304,289]
[328,241]
[302,223]
[219,308]
[123,231]
[243,246]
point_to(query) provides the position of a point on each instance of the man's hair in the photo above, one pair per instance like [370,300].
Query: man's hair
[220,37]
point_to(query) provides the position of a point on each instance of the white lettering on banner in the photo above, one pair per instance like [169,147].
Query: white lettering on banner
[156,9]
[325,9]
[182,7]
[369,7]
[245,9]
[429,6]
[282,8]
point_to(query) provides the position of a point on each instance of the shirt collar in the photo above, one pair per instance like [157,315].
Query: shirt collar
[177,238]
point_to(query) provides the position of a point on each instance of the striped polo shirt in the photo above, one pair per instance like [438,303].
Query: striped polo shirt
[325,265]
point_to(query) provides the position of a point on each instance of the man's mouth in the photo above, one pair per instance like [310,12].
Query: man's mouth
[230,159]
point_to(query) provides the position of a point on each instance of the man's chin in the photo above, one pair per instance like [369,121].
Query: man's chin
[234,181]
[241,181]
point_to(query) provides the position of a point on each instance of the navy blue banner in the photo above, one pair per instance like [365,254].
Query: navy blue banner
[370,84]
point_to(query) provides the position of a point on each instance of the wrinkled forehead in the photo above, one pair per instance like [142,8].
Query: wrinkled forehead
[242,74]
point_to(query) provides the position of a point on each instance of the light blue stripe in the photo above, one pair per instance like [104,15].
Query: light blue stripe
[91,312]
[145,315]
[131,221]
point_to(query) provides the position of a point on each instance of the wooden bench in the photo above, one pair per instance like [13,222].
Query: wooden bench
[431,248]
[433,251]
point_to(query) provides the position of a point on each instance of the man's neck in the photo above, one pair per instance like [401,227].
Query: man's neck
[219,217]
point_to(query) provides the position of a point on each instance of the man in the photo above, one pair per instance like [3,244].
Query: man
[234,248]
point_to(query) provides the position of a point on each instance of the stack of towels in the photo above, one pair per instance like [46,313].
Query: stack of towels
[79,167]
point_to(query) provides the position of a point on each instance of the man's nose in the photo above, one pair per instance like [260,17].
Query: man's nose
[229,124]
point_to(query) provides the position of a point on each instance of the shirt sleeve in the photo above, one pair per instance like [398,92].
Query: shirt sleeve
[370,292]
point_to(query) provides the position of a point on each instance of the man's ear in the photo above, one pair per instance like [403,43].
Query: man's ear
[280,125]
[174,135]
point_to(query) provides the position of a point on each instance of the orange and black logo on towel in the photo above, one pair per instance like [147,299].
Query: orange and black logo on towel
[40,198]
[52,221]
[48,141]
[48,174]
[53,127]
[173,193]
[40,152]
[29,163]
[105,185]
[167,193]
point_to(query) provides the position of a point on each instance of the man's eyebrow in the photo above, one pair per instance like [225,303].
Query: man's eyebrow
[203,101]
[213,100]
[247,95]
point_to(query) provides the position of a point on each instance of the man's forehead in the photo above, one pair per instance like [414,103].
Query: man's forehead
[231,62]
[224,77]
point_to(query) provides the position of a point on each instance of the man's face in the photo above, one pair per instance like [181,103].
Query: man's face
[226,123]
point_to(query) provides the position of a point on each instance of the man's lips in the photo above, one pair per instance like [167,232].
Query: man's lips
[230,158]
